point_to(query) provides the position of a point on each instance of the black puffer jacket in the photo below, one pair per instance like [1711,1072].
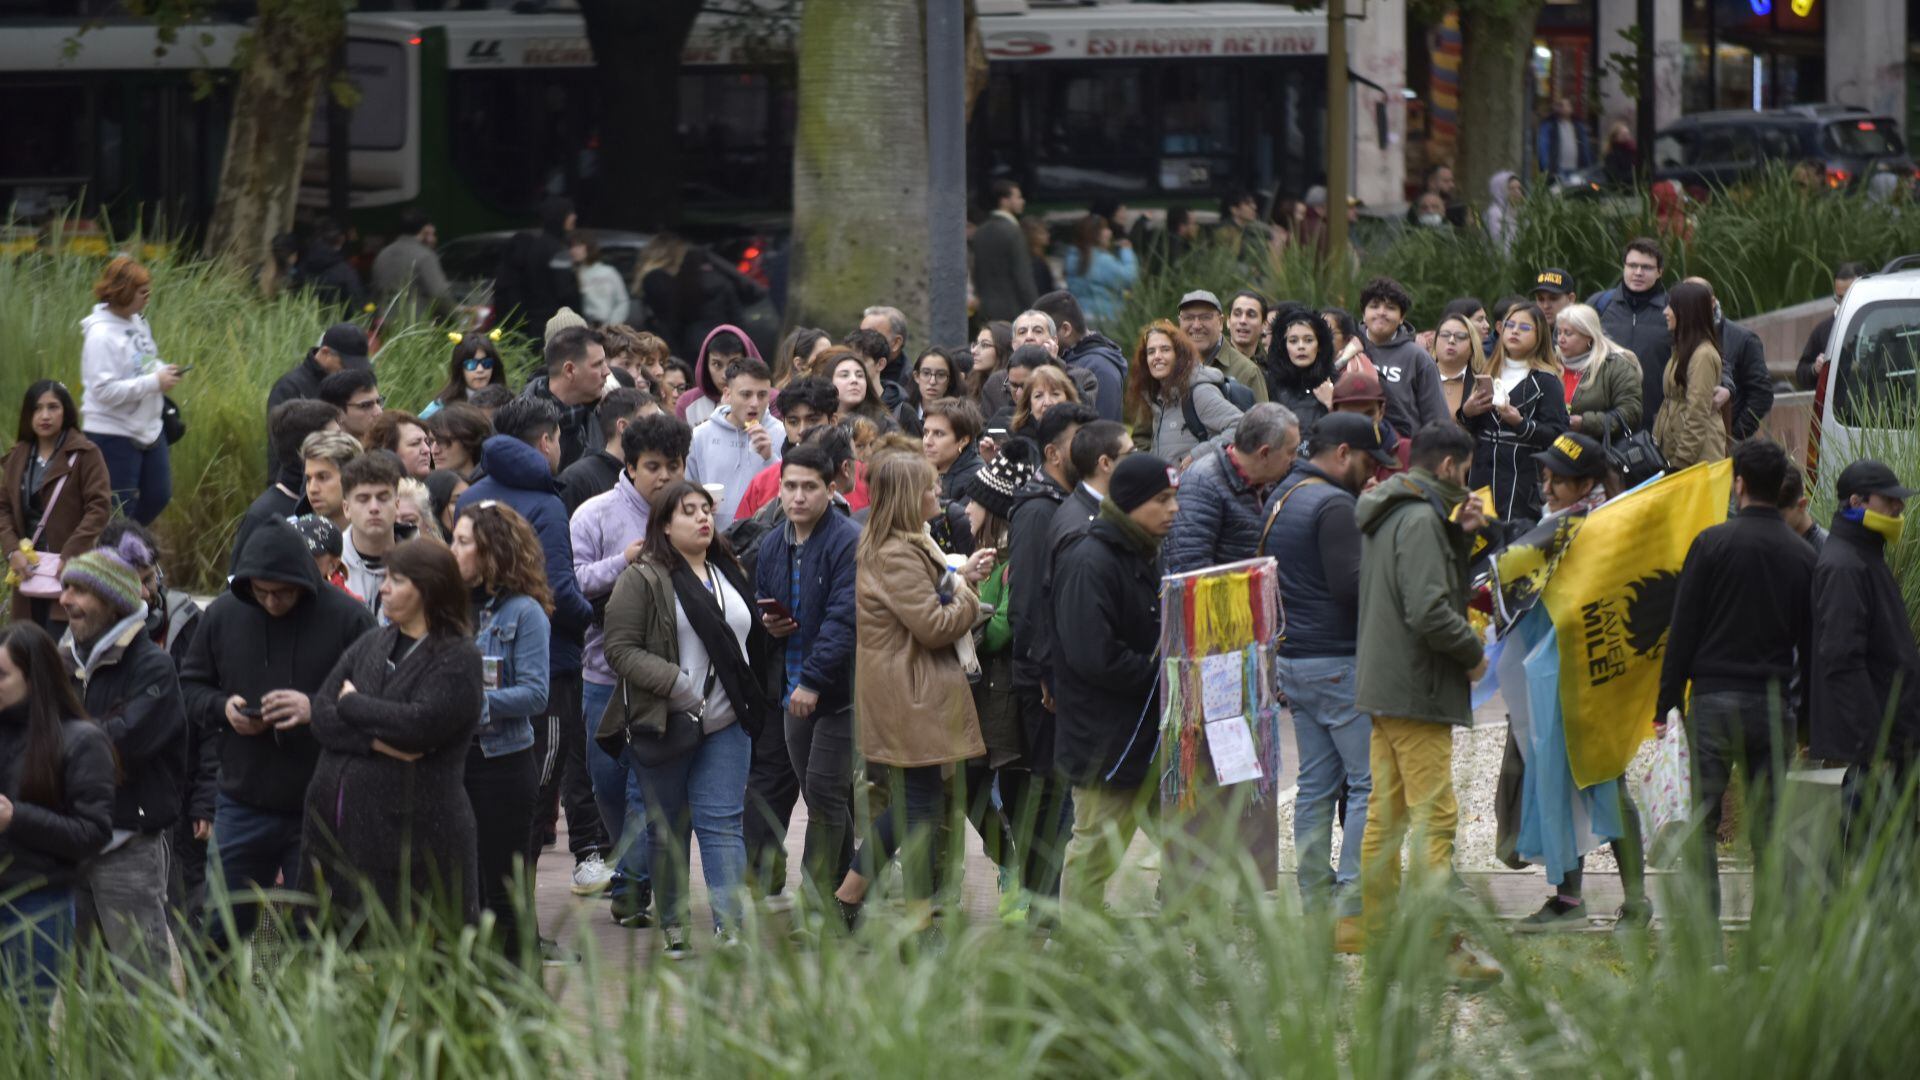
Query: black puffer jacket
[45,843]
[132,692]
[1106,623]
[240,649]
[1220,516]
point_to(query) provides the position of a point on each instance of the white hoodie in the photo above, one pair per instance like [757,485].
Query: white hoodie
[118,365]
[723,454]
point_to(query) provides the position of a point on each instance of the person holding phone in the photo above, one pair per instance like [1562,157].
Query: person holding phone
[804,584]
[263,648]
[914,699]
[126,391]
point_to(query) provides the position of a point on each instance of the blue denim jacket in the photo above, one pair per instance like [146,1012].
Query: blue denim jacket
[515,630]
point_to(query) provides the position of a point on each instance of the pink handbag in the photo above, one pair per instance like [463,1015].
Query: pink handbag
[43,577]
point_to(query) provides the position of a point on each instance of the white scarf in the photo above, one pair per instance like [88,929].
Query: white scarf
[1577,363]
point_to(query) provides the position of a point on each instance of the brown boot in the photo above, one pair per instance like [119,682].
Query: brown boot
[1348,937]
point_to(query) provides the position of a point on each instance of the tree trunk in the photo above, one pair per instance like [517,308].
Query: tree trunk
[1496,40]
[637,46]
[860,163]
[284,63]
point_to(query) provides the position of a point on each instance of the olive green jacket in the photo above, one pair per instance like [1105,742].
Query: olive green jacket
[1615,385]
[1415,646]
[643,649]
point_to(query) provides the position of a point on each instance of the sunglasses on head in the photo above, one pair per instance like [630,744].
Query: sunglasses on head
[478,362]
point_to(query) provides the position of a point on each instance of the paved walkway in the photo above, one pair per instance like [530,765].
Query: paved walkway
[1511,894]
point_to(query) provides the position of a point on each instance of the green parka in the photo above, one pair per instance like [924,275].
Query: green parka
[1415,644]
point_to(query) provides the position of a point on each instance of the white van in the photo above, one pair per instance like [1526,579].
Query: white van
[1871,399]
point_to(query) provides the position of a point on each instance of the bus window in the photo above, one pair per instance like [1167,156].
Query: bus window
[49,150]
[1877,364]
[1096,133]
[736,135]
[378,121]
[1198,133]
[519,135]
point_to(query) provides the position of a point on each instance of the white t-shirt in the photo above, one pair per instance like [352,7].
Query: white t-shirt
[693,652]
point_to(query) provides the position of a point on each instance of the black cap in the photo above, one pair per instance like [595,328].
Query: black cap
[1576,456]
[1870,477]
[1553,280]
[1138,478]
[346,339]
[1353,430]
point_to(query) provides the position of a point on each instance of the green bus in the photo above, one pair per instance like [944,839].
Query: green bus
[478,114]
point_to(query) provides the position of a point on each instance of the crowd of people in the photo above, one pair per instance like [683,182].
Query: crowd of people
[670,600]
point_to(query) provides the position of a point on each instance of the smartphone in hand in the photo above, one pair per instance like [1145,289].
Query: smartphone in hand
[770,606]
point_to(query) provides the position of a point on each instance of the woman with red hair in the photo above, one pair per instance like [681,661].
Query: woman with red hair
[1174,402]
[126,386]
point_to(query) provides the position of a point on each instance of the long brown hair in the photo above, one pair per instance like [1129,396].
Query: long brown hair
[432,570]
[1086,238]
[1002,334]
[1693,326]
[1544,357]
[1142,388]
[510,557]
[873,406]
[666,506]
[51,702]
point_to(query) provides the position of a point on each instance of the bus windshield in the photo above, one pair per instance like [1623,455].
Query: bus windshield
[1877,364]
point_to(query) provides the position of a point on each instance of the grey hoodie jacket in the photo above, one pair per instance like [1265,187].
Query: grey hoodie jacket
[724,454]
[1410,380]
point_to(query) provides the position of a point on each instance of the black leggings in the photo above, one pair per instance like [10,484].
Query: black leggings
[502,791]
[1628,851]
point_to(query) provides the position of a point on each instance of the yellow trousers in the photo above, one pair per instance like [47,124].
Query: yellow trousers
[1412,764]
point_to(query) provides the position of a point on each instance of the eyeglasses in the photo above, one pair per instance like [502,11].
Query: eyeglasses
[1455,336]
[932,373]
[1519,327]
[478,362]
[367,405]
[1644,268]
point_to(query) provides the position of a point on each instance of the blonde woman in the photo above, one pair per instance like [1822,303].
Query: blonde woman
[1518,406]
[1606,398]
[913,705]
[1047,386]
[1457,353]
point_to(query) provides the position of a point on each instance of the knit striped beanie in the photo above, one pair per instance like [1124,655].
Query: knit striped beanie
[104,573]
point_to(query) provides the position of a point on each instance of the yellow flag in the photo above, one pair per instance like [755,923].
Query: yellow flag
[1611,598]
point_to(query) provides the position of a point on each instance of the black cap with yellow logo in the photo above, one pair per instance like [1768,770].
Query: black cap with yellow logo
[1574,455]
[1553,280]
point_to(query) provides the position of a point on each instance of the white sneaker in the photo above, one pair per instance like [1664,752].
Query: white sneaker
[591,875]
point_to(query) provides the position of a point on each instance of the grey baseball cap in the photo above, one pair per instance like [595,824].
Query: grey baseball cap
[1202,296]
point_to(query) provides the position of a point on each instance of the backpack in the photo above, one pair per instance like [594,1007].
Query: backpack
[1234,391]
[746,534]
[1604,301]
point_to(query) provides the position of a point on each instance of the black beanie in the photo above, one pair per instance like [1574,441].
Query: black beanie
[1137,478]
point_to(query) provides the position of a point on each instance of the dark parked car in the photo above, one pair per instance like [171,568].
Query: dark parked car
[1848,146]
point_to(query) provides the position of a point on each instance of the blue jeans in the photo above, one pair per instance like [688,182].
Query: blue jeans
[142,479]
[1334,739]
[702,794]
[617,791]
[36,937]
[251,847]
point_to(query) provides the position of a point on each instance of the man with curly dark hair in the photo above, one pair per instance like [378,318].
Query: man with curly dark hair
[1407,371]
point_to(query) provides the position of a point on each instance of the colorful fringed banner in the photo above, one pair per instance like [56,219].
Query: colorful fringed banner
[1220,612]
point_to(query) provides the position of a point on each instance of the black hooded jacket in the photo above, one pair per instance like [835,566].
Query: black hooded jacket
[1106,637]
[1030,564]
[1866,669]
[240,649]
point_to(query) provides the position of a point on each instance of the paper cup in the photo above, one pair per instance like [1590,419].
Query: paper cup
[717,492]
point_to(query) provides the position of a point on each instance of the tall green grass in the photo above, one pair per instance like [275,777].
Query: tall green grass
[1228,981]
[239,344]
[1765,246]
